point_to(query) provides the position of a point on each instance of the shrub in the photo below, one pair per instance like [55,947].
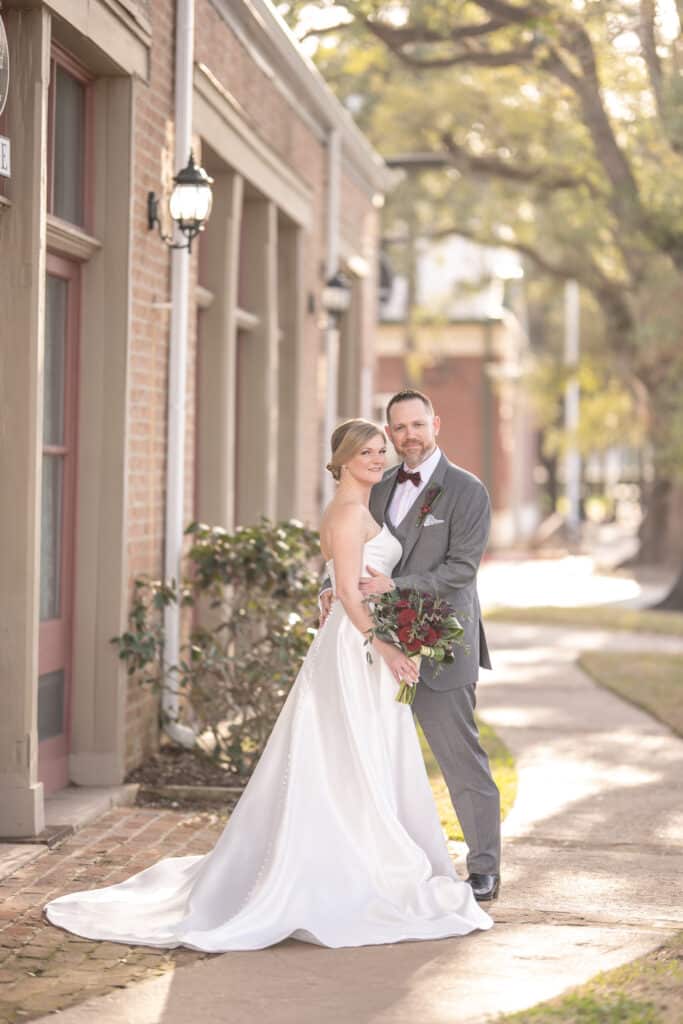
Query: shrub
[255,594]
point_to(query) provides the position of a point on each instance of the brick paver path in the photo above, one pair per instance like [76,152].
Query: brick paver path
[43,968]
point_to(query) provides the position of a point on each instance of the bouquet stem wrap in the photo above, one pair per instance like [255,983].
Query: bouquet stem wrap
[406,693]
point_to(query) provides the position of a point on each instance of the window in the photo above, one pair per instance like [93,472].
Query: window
[69,105]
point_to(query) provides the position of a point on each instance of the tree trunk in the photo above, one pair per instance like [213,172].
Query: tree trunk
[673,602]
[653,532]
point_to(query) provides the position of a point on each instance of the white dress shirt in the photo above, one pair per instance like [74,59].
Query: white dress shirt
[406,494]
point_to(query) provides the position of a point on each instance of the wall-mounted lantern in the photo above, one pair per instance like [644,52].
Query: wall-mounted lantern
[336,297]
[189,205]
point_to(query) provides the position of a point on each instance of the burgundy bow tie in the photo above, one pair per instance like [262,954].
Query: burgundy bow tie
[403,475]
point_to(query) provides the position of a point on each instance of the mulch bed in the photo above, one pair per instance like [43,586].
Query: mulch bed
[173,766]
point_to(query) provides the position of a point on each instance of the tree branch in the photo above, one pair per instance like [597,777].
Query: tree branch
[647,34]
[405,35]
[547,179]
[608,294]
[397,39]
[648,42]
[587,88]
[326,31]
[512,14]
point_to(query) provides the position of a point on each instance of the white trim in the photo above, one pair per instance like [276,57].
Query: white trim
[246,321]
[217,119]
[69,240]
[203,297]
[134,11]
[124,39]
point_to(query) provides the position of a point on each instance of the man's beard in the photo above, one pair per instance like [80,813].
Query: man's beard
[417,454]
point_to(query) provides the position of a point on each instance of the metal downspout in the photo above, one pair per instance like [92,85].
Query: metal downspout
[331,326]
[177,376]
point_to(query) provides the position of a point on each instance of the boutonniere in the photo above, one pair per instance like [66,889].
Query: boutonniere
[431,497]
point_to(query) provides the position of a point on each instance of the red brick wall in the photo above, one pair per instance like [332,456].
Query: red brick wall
[148,354]
[455,386]
[283,129]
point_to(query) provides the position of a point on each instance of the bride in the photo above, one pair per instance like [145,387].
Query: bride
[336,839]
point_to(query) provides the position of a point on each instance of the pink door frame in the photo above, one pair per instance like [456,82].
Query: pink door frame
[56,635]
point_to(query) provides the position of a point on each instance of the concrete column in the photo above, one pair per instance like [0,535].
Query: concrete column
[98,742]
[291,294]
[331,332]
[350,342]
[572,399]
[22,301]
[258,366]
[216,384]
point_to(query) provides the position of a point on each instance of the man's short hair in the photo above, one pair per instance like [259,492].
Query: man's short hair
[406,396]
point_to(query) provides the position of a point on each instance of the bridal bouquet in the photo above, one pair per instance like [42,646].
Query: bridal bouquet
[423,626]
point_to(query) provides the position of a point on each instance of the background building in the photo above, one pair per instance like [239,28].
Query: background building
[465,345]
[87,309]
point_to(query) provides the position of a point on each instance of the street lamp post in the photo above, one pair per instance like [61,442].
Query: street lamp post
[572,461]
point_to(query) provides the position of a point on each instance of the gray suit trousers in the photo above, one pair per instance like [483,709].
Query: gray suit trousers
[447,719]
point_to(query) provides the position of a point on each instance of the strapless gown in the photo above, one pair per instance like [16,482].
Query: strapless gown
[335,841]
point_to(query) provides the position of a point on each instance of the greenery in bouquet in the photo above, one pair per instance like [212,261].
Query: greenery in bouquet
[420,624]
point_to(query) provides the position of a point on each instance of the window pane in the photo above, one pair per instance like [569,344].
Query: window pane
[51,704]
[69,147]
[51,537]
[55,359]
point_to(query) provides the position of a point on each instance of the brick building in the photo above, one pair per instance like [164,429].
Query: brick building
[87,307]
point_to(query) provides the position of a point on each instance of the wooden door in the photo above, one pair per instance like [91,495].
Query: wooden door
[57,526]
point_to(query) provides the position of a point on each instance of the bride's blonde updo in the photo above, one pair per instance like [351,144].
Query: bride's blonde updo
[347,439]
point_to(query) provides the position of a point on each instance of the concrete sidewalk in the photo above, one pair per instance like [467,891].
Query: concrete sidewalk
[592,869]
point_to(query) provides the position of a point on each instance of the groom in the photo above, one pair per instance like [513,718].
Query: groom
[441,515]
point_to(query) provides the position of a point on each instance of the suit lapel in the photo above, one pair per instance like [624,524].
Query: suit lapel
[415,529]
[382,496]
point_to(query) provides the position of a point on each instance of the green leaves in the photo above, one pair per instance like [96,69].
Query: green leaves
[255,595]
[562,129]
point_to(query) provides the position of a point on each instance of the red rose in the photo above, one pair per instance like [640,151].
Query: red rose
[402,604]
[405,635]
[406,616]
[425,510]
[414,646]
[431,637]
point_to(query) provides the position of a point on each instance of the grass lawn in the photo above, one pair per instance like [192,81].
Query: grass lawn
[646,991]
[595,616]
[502,767]
[653,682]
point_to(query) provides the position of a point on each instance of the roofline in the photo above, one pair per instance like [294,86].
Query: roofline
[265,20]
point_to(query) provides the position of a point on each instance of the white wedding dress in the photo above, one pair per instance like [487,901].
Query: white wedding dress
[335,841]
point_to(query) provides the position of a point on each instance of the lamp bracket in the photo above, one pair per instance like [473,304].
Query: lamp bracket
[153,221]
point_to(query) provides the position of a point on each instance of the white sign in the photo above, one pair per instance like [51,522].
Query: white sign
[4,157]
[4,66]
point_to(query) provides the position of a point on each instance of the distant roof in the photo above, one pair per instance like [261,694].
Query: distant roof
[457,280]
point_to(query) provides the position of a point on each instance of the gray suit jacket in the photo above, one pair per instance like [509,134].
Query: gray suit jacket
[443,558]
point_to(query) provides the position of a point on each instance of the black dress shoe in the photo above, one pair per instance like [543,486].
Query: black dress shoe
[484,887]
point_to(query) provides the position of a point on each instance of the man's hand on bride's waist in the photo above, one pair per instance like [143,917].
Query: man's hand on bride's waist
[325,601]
[375,583]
